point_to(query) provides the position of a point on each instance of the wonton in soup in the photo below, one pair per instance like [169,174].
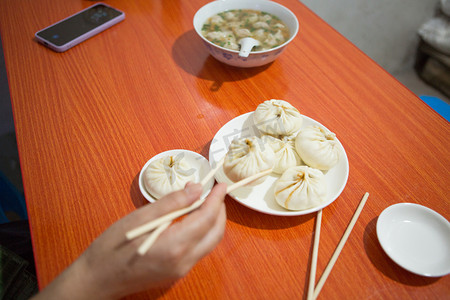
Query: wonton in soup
[227,28]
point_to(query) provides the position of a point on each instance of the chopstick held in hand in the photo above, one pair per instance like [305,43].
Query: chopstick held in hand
[160,224]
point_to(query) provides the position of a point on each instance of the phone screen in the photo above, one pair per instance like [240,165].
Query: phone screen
[79,24]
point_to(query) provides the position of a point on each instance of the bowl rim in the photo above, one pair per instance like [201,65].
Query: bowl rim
[289,12]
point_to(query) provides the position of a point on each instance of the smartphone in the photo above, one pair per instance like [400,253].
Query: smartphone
[77,28]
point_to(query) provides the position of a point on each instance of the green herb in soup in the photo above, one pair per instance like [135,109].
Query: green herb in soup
[227,28]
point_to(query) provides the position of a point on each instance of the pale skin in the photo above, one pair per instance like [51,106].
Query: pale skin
[111,268]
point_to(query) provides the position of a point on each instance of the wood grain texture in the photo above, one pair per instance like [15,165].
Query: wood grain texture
[88,119]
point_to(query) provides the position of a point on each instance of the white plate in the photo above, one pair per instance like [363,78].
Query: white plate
[194,159]
[261,197]
[416,238]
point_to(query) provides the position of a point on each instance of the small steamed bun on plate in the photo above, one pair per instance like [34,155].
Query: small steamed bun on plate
[317,147]
[166,175]
[277,117]
[285,154]
[248,156]
[300,188]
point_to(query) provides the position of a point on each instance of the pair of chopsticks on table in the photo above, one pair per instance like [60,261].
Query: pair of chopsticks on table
[160,224]
[314,292]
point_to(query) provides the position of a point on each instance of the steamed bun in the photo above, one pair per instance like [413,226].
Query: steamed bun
[166,175]
[318,147]
[277,117]
[300,188]
[285,154]
[248,156]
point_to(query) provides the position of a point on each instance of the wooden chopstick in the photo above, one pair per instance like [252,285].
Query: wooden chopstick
[148,243]
[161,224]
[312,273]
[138,231]
[248,180]
[212,172]
[341,244]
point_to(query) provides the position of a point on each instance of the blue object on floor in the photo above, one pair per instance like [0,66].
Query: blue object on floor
[440,106]
[11,200]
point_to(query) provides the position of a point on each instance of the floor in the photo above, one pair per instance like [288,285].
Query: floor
[411,80]
[9,158]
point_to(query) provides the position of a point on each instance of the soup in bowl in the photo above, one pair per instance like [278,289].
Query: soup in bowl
[222,23]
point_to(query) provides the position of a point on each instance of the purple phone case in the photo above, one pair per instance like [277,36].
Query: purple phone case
[83,37]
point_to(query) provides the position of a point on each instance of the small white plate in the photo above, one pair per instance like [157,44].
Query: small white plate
[194,159]
[261,197]
[416,238]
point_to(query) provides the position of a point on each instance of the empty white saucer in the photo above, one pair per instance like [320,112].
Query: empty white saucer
[416,238]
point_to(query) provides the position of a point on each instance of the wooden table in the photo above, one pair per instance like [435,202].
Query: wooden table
[88,119]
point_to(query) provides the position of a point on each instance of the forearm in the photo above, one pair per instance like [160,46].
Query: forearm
[75,283]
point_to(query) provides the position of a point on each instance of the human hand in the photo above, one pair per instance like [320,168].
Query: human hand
[111,268]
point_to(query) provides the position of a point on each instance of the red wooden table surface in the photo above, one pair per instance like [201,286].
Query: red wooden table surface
[88,119]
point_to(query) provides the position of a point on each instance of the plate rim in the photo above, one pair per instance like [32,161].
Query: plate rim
[286,212]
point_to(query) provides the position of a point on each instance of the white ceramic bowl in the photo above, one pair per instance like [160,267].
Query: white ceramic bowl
[231,57]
